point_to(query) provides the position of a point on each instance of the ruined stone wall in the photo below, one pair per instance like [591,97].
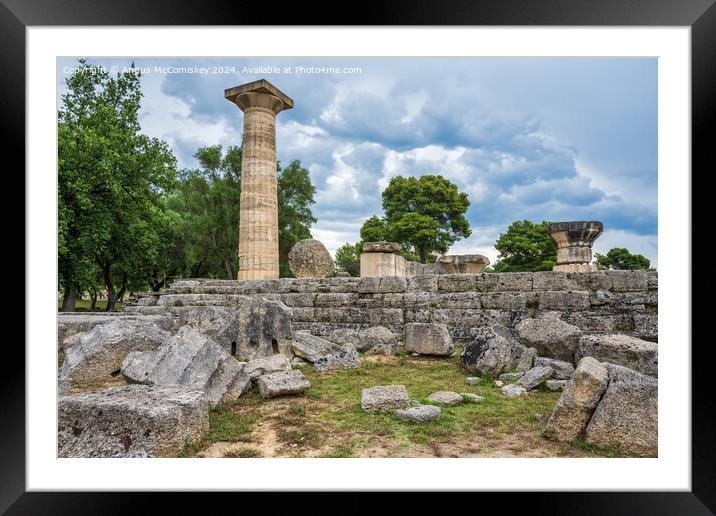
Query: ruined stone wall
[604,301]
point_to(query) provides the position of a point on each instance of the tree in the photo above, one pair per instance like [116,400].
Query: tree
[373,230]
[295,218]
[110,182]
[207,203]
[426,213]
[348,258]
[525,246]
[621,258]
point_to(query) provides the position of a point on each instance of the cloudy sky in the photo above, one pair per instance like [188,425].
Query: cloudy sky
[526,138]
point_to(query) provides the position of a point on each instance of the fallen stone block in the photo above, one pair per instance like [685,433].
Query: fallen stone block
[267,365]
[550,335]
[311,348]
[384,398]
[282,383]
[561,370]
[419,414]
[626,417]
[640,355]
[94,361]
[448,398]
[492,350]
[512,390]
[189,358]
[134,420]
[345,358]
[510,377]
[472,380]
[579,398]
[428,339]
[555,385]
[534,377]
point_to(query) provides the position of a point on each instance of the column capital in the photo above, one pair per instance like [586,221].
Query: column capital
[259,93]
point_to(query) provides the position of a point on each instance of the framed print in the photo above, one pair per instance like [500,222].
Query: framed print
[396,256]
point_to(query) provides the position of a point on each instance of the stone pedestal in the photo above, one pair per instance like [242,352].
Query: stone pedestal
[258,229]
[378,260]
[574,244]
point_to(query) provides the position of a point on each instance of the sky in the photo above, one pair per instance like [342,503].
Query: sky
[527,138]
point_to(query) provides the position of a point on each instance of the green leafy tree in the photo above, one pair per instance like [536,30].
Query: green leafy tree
[373,230]
[525,246]
[295,218]
[426,213]
[110,182]
[348,258]
[207,202]
[621,258]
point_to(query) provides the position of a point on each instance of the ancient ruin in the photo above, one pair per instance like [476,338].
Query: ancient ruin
[260,101]
[574,244]
[140,383]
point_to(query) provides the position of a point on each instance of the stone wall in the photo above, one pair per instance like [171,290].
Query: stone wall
[604,301]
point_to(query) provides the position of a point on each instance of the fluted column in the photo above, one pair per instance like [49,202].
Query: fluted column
[258,227]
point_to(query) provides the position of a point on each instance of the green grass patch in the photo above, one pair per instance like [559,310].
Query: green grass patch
[243,453]
[83,305]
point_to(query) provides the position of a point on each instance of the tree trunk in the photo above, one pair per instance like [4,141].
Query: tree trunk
[423,254]
[93,298]
[69,298]
[227,266]
[111,294]
[123,290]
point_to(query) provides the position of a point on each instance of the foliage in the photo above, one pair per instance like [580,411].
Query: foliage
[348,258]
[525,246]
[110,182]
[295,218]
[621,258]
[427,213]
[373,230]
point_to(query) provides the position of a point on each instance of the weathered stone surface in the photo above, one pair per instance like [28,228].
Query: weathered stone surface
[493,351]
[377,340]
[345,358]
[311,348]
[578,400]
[94,361]
[464,263]
[448,398]
[472,380]
[534,377]
[131,420]
[253,328]
[282,383]
[72,325]
[526,360]
[471,397]
[555,385]
[553,337]
[574,243]
[267,365]
[511,377]
[624,350]
[428,339]
[384,398]
[381,247]
[561,370]
[626,417]
[513,390]
[189,358]
[309,258]
[557,300]
[419,414]
[258,230]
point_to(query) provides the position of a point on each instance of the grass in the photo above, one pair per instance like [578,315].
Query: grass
[328,420]
[83,305]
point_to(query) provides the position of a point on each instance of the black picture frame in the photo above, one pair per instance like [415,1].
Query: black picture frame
[700,15]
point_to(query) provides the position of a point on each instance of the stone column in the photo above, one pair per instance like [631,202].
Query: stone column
[260,101]
[574,244]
